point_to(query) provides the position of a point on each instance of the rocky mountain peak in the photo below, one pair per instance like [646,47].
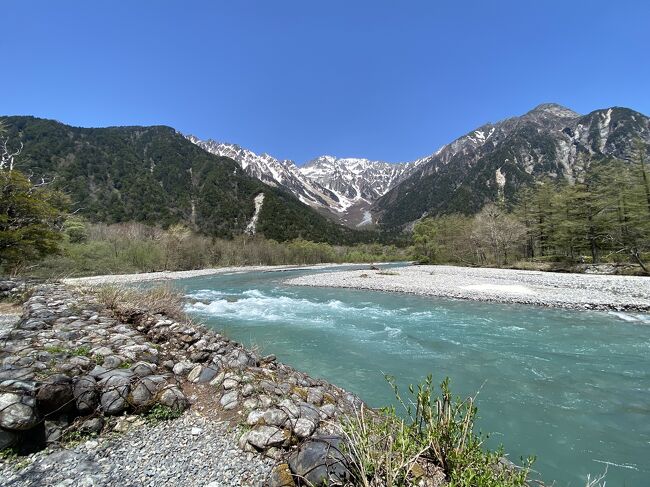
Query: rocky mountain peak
[553,109]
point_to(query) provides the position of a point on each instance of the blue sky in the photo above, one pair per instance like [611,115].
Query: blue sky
[380,79]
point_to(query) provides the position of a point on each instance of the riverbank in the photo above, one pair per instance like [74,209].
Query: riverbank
[576,291]
[171,275]
[84,386]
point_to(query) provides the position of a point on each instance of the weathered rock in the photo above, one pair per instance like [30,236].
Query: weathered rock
[17,411]
[172,397]
[201,374]
[230,384]
[55,395]
[112,361]
[303,427]
[85,394]
[328,410]
[115,392]
[275,417]
[263,437]
[229,400]
[142,393]
[250,403]
[281,476]
[143,369]
[54,430]
[315,396]
[320,462]
[92,425]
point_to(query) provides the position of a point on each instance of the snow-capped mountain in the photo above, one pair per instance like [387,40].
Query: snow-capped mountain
[356,179]
[491,161]
[345,188]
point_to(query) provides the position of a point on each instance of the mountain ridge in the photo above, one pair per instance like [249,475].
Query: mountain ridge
[492,160]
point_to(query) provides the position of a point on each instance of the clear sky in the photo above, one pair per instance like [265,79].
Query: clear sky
[390,80]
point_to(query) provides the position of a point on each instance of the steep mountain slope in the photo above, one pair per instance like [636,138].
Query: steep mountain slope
[155,175]
[497,159]
[342,188]
[356,179]
[274,172]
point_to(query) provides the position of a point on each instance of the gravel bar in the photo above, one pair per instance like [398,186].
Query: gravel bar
[171,275]
[563,290]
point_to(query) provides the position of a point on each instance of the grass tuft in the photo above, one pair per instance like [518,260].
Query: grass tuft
[123,300]
[389,450]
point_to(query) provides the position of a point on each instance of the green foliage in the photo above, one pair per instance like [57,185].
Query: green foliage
[73,437]
[391,450]
[78,352]
[154,175]
[75,229]
[27,219]
[133,247]
[160,412]
[9,454]
[603,217]
[81,351]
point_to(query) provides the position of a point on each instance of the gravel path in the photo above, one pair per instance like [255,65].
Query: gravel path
[189,451]
[582,291]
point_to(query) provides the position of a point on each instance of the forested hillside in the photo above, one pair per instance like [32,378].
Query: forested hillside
[156,176]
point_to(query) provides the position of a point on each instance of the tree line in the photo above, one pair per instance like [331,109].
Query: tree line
[601,216]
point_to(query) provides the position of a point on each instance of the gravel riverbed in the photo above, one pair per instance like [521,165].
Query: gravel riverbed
[564,290]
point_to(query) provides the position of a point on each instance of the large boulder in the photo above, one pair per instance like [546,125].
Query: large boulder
[201,374]
[17,412]
[85,394]
[320,462]
[114,398]
[281,476]
[55,395]
[143,393]
[263,437]
[172,397]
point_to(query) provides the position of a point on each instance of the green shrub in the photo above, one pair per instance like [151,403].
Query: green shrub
[159,413]
[392,451]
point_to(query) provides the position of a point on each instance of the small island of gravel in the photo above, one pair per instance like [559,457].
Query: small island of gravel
[563,290]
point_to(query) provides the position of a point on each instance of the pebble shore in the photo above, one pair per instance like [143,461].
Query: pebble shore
[189,451]
[562,290]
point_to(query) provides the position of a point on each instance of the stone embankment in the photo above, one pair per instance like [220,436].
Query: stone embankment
[70,370]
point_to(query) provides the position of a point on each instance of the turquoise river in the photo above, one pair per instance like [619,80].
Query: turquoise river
[569,387]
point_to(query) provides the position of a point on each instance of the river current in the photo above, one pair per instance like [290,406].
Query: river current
[570,387]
